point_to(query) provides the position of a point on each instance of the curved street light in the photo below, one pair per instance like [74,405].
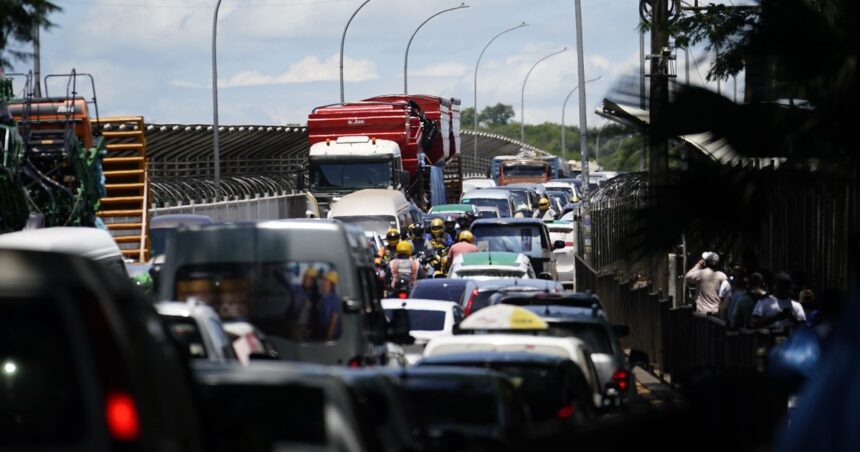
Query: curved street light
[409,44]
[563,107]
[215,143]
[523,94]
[342,40]
[475,141]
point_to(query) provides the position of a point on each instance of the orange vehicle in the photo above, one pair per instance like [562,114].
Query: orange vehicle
[524,171]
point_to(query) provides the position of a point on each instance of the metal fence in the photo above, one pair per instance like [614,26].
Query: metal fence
[259,208]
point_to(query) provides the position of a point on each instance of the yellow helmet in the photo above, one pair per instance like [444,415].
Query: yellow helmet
[311,272]
[331,277]
[543,204]
[404,248]
[392,236]
[467,236]
[437,226]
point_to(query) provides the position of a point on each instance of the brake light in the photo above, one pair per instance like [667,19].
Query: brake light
[468,309]
[620,378]
[402,295]
[566,411]
[121,416]
[354,362]
[566,244]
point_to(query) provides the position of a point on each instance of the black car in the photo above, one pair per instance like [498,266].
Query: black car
[492,291]
[460,407]
[554,389]
[461,291]
[87,364]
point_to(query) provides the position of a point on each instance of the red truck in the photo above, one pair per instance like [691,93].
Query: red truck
[410,143]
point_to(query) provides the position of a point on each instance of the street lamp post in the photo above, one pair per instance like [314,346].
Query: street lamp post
[563,107]
[342,40]
[475,141]
[523,94]
[409,44]
[215,143]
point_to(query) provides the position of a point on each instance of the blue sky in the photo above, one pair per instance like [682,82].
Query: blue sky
[279,58]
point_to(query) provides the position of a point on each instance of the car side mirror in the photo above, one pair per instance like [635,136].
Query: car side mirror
[545,276]
[638,358]
[399,327]
[558,244]
[621,330]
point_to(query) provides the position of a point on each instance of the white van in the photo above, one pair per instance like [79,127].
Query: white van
[375,210]
[91,243]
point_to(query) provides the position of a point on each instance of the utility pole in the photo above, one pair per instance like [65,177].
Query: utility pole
[658,149]
[642,149]
[37,61]
[583,140]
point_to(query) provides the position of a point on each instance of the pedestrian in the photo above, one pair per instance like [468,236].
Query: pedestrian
[739,284]
[778,310]
[741,316]
[707,279]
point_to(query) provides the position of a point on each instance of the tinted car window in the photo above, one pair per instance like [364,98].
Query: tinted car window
[40,393]
[441,402]
[502,204]
[593,334]
[186,332]
[515,238]
[423,319]
[444,292]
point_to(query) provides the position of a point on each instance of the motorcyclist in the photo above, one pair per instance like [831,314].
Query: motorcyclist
[404,266]
[465,221]
[464,245]
[437,236]
[419,239]
[392,239]
[545,212]
[451,228]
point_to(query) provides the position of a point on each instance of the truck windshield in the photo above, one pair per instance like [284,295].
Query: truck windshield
[350,175]
[524,171]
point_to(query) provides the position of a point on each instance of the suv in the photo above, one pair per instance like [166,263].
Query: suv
[197,330]
[529,236]
[87,363]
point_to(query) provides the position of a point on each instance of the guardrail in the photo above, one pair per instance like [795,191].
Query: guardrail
[259,208]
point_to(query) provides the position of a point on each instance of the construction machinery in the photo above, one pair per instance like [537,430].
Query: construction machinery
[60,167]
[405,142]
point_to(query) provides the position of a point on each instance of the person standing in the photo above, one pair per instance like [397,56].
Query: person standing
[330,308]
[778,310]
[707,279]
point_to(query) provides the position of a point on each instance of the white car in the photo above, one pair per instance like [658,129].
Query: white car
[429,319]
[486,265]
[566,187]
[564,257]
[197,329]
[91,243]
[488,212]
[476,183]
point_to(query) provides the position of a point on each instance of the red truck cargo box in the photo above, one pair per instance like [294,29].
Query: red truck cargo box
[442,113]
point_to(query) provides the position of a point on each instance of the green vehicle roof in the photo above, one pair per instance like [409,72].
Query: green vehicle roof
[490,258]
[451,208]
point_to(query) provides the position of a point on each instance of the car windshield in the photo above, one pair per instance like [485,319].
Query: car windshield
[423,319]
[186,333]
[482,274]
[444,292]
[520,197]
[293,300]
[448,402]
[567,190]
[593,334]
[40,387]
[488,214]
[342,175]
[501,204]
[516,238]
[158,240]
[523,170]
[373,223]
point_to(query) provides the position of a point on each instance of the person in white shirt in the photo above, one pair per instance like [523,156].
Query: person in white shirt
[708,282]
[778,310]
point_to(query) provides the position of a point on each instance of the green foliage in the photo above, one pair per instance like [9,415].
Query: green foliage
[18,21]
[467,118]
[496,115]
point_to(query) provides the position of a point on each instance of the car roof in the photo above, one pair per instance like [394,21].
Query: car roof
[487,258]
[493,357]
[502,339]
[570,299]
[448,373]
[555,313]
[506,221]
[181,308]
[488,193]
[91,243]
[369,202]
[536,284]
[452,208]
[444,282]
[418,303]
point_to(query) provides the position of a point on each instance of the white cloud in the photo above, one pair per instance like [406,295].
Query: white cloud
[599,62]
[441,70]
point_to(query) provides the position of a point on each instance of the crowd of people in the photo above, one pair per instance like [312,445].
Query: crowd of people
[750,300]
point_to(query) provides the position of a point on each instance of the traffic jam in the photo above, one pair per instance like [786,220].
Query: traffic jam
[406,310]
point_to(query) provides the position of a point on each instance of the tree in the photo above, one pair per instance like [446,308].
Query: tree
[467,118]
[496,115]
[18,22]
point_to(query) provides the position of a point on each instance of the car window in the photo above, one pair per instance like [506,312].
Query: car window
[423,319]
[40,391]
[538,386]
[516,238]
[452,402]
[444,292]
[295,300]
[593,334]
[186,333]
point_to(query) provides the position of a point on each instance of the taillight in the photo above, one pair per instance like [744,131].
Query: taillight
[566,244]
[354,362]
[402,295]
[621,379]
[121,416]
[468,309]
[566,411]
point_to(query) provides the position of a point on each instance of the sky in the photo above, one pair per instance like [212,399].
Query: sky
[278,59]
